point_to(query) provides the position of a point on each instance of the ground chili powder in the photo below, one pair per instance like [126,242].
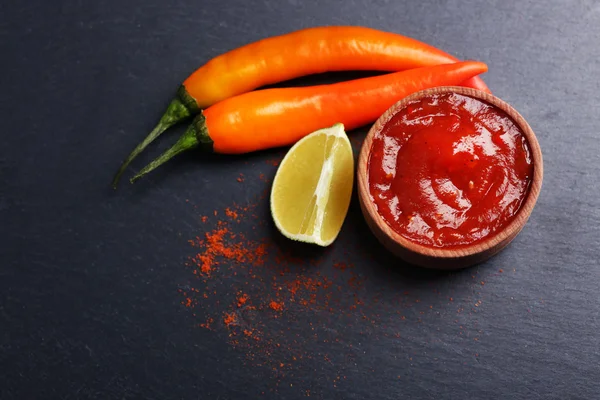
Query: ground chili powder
[253,290]
[264,281]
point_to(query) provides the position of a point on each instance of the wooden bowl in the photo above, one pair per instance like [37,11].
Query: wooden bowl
[440,258]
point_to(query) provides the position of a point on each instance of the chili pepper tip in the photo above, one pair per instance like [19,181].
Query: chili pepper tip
[139,148]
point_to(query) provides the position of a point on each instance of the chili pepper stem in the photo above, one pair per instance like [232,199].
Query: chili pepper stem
[186,142]
[195,136]
[179,109]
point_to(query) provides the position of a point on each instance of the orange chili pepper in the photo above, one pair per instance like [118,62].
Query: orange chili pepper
[279,117]
[296,54]
[310,51]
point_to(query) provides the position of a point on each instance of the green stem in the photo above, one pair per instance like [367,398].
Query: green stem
[182,106]
[195,136]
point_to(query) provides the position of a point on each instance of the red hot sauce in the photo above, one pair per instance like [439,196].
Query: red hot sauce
[449,170]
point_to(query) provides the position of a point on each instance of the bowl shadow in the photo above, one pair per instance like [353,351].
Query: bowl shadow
[384,266]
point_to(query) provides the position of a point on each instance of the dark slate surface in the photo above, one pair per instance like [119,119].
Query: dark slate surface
[90,279]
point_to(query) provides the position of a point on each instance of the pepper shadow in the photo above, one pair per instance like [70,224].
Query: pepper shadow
[325,78]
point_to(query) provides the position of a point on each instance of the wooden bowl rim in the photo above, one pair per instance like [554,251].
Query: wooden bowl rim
[489,243]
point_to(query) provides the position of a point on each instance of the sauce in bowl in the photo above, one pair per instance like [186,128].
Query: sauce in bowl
[449,170]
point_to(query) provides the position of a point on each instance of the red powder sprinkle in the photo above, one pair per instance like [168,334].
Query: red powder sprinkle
[207,324]
[342,266]
[240,178]
[242,300]
[262,177]
[230,319]
[231,213]
[501,271]
[244,283]
[216,246]
[204,219]
[274,162]
[276,306]
[206,263]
